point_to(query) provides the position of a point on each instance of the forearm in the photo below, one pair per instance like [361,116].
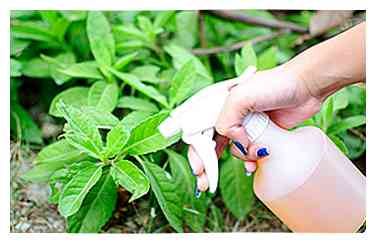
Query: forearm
[333,64]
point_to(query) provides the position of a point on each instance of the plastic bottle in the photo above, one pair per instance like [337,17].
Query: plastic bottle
[307,182]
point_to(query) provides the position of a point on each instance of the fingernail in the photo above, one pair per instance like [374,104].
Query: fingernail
[247,173]
[193,173]
[262,152]
[240,147]
[197,192]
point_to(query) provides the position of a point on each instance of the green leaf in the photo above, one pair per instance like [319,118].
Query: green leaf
[33,30]
[102,43]
[246,58]
[340,144]
[347,123]
[146,138]
[216,219]
[74,192]
[129,176]
[22,124]
[181,56]
[186,183]
[187,28]
[97,208]
[147,73]
[74,15]
[103,96]
[125,60]
[41,172]
[15,68]
[327,114]
[162,18]
[116,139]
[60,152]
[267,59]
[134,103]
[102,119]
[87,69]
[236,187]
[134,118]
[182,83]
[340,99]
[83,133]
[36,68]
[165,191]
[135,83]
[76,96]
[17,46]
[57,63]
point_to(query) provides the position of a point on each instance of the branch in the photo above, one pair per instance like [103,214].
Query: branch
[203,42]
[255,20]
[237,45]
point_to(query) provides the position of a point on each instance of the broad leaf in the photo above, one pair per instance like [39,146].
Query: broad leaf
[182,83]
[327,114]
[102,43]
[82,133]
[146,138]
[246,58]
[180,56]
[103,96]
[196,214]
[76,96]
[267,59]
[36,68]
[33,30]
[41,172]
[347,123]
[57,63]
[60,152]
[87,69]
[129,176]
[102,119]
[165,191]
[74,192]
[138,104]
[116,139]
[236,187]
[187,28]
[135,83]
[97,208]
[147,73]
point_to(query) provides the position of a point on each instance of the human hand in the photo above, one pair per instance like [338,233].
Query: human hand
[279,92]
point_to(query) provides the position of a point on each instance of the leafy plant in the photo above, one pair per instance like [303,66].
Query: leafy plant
[110,78]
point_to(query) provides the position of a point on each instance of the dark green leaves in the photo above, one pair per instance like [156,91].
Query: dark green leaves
[100,37]
[165,191]
[346,124]
[194,210]
[97,207]
[146,138]
[236,187]
[74,192]
[129,176]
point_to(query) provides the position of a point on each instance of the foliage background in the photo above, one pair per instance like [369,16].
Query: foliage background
[52,52]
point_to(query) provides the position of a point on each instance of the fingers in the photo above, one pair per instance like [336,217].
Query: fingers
[254,152]
[195,162]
